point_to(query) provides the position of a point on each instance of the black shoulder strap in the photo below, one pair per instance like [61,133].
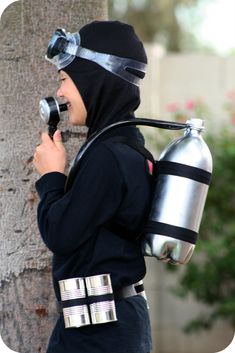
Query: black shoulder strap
[131,142]
[114,227]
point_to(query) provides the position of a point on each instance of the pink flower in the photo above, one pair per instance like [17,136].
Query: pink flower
[172,107]
[233,119]
[190,105]
[231,95]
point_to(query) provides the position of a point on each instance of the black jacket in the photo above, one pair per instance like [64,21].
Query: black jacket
[113,186]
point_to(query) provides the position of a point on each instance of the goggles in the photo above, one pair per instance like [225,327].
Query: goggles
[64,47]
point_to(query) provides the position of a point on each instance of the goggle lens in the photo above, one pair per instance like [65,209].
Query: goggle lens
[57,44]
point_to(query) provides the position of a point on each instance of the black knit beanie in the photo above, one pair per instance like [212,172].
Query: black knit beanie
[107,97]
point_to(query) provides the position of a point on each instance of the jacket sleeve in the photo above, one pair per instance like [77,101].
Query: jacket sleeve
[68,220]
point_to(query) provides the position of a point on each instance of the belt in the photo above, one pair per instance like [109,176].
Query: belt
[130,291]
[91,300]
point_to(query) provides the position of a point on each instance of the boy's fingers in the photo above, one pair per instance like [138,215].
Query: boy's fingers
[46,138]
[57,138]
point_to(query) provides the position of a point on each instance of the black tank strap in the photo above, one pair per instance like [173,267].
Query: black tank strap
[183,170]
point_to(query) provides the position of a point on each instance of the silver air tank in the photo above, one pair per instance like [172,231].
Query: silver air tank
[183,176]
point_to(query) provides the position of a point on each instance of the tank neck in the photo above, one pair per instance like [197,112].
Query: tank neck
[194,126]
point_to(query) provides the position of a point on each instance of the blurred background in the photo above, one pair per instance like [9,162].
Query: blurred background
[191,73]
[191,52]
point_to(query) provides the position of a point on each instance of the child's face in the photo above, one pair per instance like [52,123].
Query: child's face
[71,96]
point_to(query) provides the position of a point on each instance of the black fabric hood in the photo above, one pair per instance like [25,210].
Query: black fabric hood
[107,97]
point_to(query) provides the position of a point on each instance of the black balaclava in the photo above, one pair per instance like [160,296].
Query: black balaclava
[107,97]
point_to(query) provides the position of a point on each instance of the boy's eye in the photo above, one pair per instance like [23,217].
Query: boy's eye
[60,79]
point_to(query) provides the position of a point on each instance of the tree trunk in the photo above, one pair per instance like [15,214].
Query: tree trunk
[27,305]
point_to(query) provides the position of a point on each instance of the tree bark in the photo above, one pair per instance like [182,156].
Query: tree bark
[27,305]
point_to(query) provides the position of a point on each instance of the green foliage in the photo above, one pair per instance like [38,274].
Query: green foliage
[210,274]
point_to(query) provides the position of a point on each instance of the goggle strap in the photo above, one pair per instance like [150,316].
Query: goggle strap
[114,64]
[71,49]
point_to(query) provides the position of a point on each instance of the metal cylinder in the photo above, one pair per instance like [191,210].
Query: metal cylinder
[50,110]
[76,316]
[183,176]
[102,310]
[73,291]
